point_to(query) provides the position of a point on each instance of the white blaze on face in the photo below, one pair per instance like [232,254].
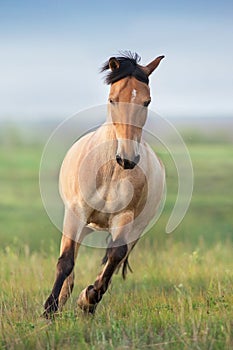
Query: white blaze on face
[134,94]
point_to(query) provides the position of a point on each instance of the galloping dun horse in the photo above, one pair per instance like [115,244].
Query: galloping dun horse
[110,180]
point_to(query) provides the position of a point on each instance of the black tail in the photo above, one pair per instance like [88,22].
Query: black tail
[125,268]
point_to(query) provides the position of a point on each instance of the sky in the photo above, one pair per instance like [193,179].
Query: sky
[51,53]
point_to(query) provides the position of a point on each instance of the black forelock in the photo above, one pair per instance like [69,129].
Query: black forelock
[128,68]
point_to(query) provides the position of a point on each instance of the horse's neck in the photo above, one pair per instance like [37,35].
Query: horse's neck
[107,132]
[104,142]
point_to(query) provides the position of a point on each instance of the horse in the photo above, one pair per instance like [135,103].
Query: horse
[111,180]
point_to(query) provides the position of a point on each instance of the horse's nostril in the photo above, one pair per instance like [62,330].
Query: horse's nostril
[119,160]
[126,163]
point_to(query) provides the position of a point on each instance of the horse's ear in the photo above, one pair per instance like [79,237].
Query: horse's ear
[152,65]
[113,63]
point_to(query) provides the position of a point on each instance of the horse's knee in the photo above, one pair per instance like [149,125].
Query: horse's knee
[65,264]
[117,252]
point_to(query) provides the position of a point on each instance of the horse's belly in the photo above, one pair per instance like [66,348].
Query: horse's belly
[99,221]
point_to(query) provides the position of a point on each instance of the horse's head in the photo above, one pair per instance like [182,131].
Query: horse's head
[129,98]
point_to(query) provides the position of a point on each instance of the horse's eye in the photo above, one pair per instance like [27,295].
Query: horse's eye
[146,103]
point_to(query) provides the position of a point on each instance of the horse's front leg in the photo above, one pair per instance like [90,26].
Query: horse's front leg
[65,264]
[116,254]
[68,284]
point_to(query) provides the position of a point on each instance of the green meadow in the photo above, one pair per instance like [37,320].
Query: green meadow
[180,294]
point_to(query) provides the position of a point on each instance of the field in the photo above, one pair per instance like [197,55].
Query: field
[180,295]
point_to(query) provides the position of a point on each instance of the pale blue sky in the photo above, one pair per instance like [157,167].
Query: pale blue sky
[51,52]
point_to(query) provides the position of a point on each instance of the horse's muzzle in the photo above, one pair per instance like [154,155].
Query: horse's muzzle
[126,163]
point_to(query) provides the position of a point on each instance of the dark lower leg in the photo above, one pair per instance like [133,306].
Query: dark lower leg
[92,295]
[69,281]
[64,268]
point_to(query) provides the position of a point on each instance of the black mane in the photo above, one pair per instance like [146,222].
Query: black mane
[128,68]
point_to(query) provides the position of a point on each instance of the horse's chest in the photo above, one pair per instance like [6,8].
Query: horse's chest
[120,193]
[113,194]
[113,200]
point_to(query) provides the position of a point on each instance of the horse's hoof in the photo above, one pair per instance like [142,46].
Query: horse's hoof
[87,300]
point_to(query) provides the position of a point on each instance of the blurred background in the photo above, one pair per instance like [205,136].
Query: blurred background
[51,53]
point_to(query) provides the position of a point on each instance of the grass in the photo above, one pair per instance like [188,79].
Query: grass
[175,299]
[179,296]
